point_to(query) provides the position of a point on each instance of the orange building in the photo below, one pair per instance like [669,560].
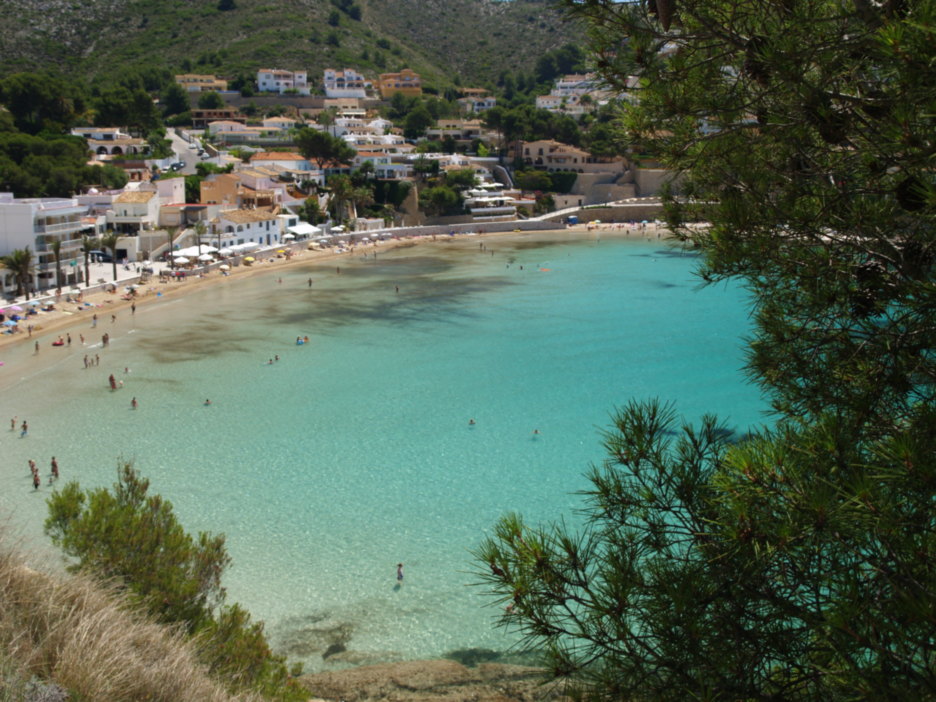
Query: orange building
[406,82]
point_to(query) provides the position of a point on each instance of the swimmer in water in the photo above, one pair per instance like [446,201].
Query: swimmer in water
[207,402]
[471,422]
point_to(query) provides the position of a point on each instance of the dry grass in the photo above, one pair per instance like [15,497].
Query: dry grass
[83,637]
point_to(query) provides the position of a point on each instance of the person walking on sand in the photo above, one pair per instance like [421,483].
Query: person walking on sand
[37,347]
[94,320]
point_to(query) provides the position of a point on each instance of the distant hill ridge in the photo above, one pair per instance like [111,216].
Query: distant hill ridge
[467,41]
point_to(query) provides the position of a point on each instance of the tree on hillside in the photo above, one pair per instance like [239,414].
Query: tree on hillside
[533,180]
[417,122]
[210,101]
[121,106]
[132,537]
[440,200]
[323,148]
[175,100]
[799,562]
[177,577]
[40,102]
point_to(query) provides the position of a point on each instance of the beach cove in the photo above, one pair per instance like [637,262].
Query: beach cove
[354,452]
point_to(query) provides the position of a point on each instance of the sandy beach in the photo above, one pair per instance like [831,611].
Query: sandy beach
[68,316]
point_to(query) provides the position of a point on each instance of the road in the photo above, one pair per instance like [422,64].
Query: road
[183,153]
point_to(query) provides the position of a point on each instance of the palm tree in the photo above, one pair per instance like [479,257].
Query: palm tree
[341,191]
[361,197]
[171,232]
[56,247]
[200,229]
[20,262]
[109,241]
[88,244]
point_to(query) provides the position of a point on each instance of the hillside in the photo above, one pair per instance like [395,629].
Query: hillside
[442,39]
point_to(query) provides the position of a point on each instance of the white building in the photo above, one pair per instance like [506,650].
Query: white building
[135,210]
[37,223]
[347,83]
[475,104]
[385,168]
[274,80]
[568,95]
[111,141]
[236,227]
[489,202]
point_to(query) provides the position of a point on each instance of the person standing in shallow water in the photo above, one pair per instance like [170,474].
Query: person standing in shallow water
[399,572]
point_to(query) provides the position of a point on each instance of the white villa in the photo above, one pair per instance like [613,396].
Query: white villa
[274,80]
[346,83]
[135,210]
[111,141]
[569,93]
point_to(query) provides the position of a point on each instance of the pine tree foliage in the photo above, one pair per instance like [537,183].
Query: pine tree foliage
[796,563]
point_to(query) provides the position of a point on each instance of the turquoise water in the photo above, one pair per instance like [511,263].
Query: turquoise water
[354,452]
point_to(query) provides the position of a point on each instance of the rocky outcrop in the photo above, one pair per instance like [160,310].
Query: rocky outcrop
[434,681]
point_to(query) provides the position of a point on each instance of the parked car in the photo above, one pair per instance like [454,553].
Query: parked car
[177,166]
[100,257]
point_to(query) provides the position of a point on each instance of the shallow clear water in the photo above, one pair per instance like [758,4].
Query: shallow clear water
[354,452]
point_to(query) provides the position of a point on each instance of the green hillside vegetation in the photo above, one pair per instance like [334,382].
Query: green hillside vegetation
[446,42]
[132,539]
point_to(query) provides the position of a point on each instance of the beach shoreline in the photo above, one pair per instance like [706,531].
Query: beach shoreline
[68,316]
[195,315]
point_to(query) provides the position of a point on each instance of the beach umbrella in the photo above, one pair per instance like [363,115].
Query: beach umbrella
[226,251]
[181,260]
[289,236]
[224,267]
[206,257]
[34,303]
[16,308]
[9,323]
[249,259]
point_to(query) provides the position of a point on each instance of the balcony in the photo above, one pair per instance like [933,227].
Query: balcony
[59,228]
